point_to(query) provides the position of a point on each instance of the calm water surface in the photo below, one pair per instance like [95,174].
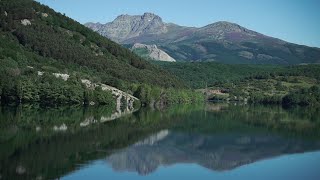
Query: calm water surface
[221,141]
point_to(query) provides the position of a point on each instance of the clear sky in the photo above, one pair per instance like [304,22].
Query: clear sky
[296,21]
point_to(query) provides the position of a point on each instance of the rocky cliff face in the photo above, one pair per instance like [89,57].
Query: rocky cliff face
[126,27]
[221,41]
[151,52]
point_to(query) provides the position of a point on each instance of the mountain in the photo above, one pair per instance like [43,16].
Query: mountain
[221,41]
[126,27]
[45,55]
[151,52]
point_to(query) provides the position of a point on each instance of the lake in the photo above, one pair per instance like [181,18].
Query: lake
[221,141]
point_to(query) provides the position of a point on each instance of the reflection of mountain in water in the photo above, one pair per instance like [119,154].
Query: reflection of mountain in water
[215,152]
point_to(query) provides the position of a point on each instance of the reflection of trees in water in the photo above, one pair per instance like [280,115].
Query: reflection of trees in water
[51,154]
[55,118]
[295,121]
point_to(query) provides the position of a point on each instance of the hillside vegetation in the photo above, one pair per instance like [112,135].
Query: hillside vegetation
[201,74]
[287,85]
[35,39]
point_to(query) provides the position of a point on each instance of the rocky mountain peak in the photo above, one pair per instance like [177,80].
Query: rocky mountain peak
[127,26]
[148,15]
[225,27]
[223,30]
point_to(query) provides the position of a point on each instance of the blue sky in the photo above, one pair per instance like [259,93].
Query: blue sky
[296,21]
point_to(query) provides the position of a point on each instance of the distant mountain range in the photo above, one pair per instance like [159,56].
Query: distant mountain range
[221,41]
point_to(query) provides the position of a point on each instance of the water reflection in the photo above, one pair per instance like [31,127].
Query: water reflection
[218,137]
[216,152]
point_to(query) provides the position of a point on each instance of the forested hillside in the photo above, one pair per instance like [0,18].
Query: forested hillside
[205,74]
[287,85]
[36,42]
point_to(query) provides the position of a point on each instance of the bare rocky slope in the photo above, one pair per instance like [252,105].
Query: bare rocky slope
[151,52]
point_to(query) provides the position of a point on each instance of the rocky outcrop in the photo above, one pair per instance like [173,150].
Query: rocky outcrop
[25,22]
[130,99]
[65,77]
[116,92]
[44,15]
[246,54]
[264,57]
[153,52]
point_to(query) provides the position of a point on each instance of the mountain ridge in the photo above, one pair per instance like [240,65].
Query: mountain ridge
[221,41]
